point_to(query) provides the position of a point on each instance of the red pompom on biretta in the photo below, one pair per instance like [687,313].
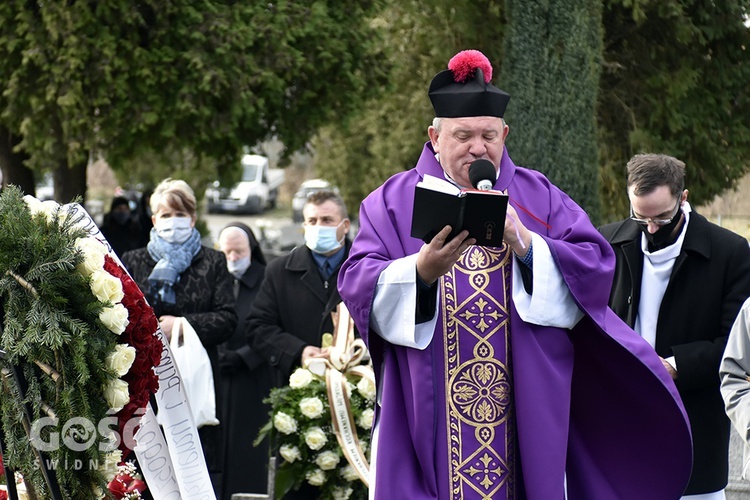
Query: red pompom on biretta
[464,89]
[464,64]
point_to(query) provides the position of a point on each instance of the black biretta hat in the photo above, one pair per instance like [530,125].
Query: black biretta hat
[464,89]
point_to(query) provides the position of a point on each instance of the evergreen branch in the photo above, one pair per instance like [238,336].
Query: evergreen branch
[48,370]
[48,410]
[20,279]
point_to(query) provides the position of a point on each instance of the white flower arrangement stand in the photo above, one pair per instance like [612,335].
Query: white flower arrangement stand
[271,486]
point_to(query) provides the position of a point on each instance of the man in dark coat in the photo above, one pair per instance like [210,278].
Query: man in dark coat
[679,282]
[246,377]
[293,308]
[121,229]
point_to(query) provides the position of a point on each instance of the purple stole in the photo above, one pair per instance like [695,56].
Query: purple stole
[479,423]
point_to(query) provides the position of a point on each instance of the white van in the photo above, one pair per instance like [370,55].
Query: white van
[257,190]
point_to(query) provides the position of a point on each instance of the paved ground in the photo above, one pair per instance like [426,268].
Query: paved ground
[738,488]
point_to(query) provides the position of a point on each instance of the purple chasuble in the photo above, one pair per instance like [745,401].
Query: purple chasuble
[476,422]
[593,405]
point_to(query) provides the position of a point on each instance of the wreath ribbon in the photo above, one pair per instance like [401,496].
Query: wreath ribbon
[344,358]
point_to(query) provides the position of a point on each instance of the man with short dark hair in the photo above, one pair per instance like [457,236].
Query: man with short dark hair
[679,282]
[292,309]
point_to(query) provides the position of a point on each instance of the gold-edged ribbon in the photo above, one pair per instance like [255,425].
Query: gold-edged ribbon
[344,358]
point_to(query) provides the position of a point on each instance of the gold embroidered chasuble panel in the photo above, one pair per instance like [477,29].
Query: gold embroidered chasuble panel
[480,425]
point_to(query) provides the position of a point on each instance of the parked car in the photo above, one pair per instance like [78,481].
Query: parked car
[306,189]
[257,190]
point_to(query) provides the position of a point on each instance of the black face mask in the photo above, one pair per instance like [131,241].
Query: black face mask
[121,218]
[663,236]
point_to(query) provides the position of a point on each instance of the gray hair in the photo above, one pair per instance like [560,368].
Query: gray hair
[438,121]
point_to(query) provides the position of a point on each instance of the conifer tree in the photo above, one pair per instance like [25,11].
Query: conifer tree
[551,69]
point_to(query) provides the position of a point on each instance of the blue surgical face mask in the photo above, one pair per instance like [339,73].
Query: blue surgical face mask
[239,266]
[322,239]
[174,229]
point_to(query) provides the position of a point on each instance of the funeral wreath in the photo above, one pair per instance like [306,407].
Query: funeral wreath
[80,350]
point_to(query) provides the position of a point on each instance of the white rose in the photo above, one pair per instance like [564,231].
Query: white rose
[46,208]
[106,287]
[349,473]
[115,318]
[116,394]
[109,467]
[366,388]
[327,460]
[284,423]
[121,359]
[342,493]
[290,453]
[50,208]
[34,204]
[365,420]
[316,477]
[315,438]
[311,407]
[93,255]
[300,378]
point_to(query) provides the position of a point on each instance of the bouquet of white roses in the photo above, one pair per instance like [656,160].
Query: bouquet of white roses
[302,432]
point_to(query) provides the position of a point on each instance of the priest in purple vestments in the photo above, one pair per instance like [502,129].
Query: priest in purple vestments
[501,371]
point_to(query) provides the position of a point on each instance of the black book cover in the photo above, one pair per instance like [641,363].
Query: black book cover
[482,213]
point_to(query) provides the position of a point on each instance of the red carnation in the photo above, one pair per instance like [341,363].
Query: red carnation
[124,484]
[2,468]
[117,487]
[464,64]
[3,495]
[136,485]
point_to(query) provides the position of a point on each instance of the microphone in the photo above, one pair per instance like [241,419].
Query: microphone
[482,174]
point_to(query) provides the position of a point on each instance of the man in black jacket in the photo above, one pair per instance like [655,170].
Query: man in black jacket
[679,282]
[293,308]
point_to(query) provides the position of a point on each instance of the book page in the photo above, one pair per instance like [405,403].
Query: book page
[437,184]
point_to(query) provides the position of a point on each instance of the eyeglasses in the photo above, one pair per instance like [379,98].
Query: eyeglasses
[658,222]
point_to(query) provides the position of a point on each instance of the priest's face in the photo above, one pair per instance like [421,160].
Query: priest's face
[461,141]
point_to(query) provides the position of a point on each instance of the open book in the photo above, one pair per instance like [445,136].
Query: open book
[438,203]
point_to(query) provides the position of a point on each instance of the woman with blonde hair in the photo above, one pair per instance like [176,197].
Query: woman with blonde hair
[182,278]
